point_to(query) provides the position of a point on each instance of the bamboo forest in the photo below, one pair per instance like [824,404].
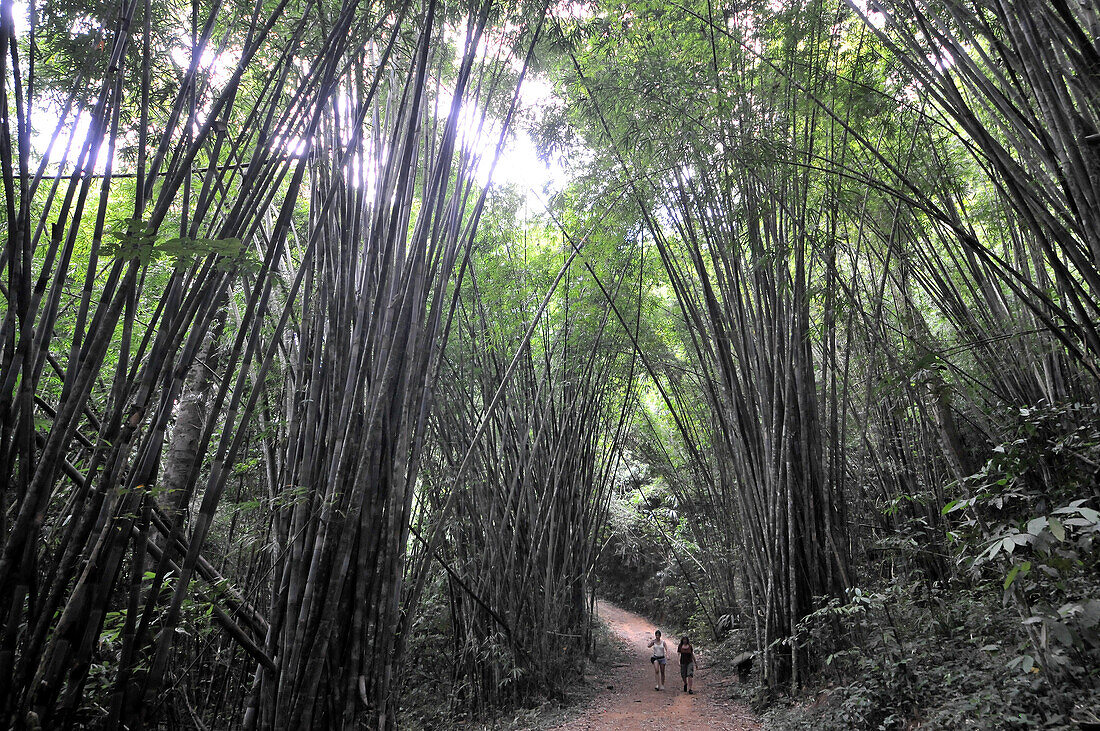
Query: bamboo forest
[482,364]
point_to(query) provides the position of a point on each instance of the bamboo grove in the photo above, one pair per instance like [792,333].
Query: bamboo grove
[283,373]
[874,220]
[281,255]
[526,531]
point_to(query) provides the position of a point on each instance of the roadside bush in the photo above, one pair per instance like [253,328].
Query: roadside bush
[900,658]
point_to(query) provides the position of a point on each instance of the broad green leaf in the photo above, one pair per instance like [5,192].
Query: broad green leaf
[1035,526]
[1057,529]
[1018,569]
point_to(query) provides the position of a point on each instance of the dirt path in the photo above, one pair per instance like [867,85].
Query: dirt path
[631,704]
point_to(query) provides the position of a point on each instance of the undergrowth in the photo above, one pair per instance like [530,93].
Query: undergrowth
[926,662]
[432,700]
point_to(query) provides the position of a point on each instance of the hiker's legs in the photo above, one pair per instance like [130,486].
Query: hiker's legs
[656,673]
[662,674]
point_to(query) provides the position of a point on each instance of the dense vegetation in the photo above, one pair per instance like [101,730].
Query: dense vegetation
[304,424]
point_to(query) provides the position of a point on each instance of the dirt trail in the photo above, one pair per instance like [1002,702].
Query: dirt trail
[633,705]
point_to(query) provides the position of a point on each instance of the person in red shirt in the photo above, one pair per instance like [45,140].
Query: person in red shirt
[687,663]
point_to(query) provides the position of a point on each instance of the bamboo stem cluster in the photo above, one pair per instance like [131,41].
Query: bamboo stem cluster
[324,204]
[527,522]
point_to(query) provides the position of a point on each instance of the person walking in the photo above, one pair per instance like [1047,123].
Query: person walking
[687,663]
[660,651]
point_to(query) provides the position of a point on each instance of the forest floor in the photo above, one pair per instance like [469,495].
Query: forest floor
[626,701]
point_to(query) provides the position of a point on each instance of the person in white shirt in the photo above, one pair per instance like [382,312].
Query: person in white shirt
[660,651]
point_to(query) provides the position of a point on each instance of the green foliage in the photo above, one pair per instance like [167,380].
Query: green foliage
[1022,528]
[635,568]
[1010,642]
[135,240]
[905,655]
